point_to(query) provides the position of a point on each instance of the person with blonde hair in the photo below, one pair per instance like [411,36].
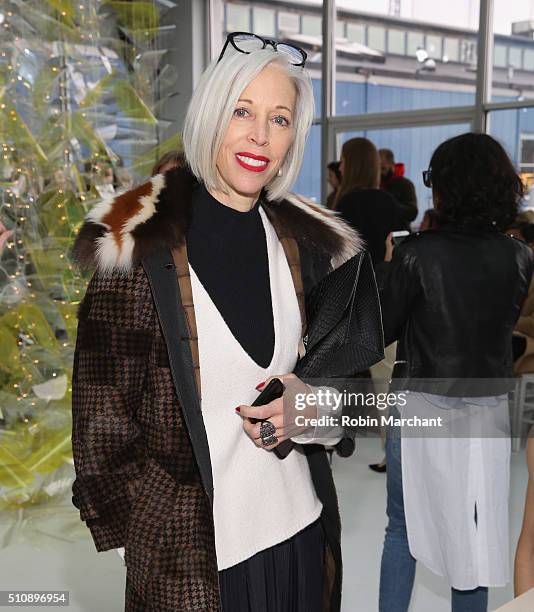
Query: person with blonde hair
[199,300]
[371,211]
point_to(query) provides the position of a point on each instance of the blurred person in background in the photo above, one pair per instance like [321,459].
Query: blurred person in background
[524,556]
[392,179]
[334,180]
[451,297]
[373,212]
[523,338]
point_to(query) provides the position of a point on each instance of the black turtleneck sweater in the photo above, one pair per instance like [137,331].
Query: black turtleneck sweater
[227,249]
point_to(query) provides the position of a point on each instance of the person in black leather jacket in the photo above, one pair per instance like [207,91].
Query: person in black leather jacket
[451,297]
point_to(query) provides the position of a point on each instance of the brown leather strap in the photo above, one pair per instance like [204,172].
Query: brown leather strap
[181,262]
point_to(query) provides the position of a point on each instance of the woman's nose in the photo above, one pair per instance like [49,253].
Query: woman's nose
[259,133]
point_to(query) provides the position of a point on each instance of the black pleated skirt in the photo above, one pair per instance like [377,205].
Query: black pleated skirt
[287,577]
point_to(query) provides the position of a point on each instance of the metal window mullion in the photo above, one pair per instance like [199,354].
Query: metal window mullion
[484,66]
[415,118]
[328,90]
[510,105]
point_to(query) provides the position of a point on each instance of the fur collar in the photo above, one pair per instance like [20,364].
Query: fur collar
[119,232]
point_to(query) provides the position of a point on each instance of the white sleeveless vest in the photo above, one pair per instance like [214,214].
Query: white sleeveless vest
[259,500]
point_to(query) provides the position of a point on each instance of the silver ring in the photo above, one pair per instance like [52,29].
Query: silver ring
[267,429]
[269,441]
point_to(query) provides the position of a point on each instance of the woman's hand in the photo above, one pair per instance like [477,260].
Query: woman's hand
[389,248]
[277,413]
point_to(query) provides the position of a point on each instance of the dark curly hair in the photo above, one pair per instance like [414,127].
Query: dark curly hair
[475,184]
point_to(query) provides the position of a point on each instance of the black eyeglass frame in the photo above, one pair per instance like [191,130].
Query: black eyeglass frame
[266,41]
[427,178]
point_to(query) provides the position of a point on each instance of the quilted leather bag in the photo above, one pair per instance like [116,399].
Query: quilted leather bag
[344,333]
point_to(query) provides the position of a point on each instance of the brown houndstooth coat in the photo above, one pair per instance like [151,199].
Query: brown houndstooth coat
[143,472]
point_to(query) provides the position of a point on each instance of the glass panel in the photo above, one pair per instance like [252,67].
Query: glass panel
[340,29]
[288,22]
[500,56]
[528,59]
[451,49]
[263,22]
[514,57]
[526,152]
[412,147]
[311,25]
[308,182]
[416,40]
[396,42]
[406,67]
[237,18]
[356,32]
[468,52]
[433,46]
[514,129]
[513,27]
[376,38]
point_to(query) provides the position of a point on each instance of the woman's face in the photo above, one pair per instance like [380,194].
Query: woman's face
[332,179]
[258,137]
[341,166]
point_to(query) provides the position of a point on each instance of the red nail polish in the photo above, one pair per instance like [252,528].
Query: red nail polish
[262,384]
[238,409]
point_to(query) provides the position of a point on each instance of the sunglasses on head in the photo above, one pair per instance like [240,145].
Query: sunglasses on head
[247,42]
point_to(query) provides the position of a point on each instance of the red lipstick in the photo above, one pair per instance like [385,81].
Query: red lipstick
[252,168]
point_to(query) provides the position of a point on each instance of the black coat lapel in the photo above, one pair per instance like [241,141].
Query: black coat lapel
[160,269]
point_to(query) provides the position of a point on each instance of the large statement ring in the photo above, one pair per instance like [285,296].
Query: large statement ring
[267,429]
[269,441]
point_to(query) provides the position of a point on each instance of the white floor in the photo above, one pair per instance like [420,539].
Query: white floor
[96,582]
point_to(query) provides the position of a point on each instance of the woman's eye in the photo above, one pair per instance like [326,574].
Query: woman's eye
[281,120]
[240,112]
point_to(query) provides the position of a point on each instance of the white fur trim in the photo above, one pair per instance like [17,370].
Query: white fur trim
[100,210]
[352,242]
[148,204]
[109,255]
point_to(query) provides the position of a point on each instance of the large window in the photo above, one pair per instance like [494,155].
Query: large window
[515,57]
[376,37]
[513,50]
[528,60]
[356,32]
[389,65]
[416,40]
[515,131]
[451,50]
[433,46]
[396,41]
[264,21]
[311,25]
[237,18]
[500,55]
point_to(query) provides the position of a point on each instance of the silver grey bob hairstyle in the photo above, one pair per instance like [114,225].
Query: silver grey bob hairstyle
[213,103]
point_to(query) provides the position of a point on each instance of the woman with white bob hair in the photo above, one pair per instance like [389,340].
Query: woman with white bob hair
[197,301]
